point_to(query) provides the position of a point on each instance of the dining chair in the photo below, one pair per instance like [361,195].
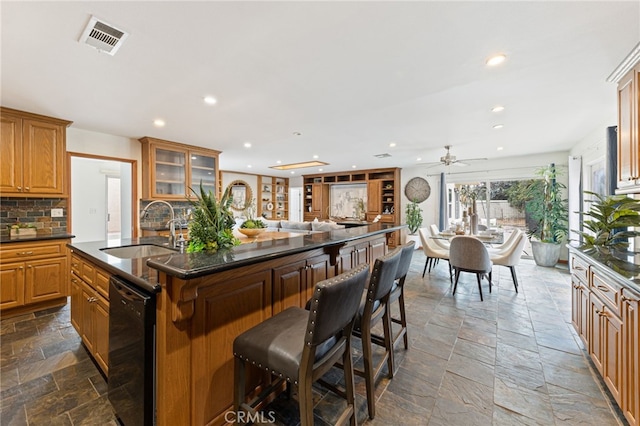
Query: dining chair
[506,245]
[432,252]
[443,244]
[510,257]
[468,254]
[299,346]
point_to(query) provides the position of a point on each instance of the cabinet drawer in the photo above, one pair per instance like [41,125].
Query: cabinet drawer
[87,272]
[608,291]
[580,269]
[24,252]
[76,264]
[102,283]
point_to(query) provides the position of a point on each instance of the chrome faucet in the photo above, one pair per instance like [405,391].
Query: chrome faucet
[171,223]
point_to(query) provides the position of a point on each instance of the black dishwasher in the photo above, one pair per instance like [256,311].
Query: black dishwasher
[131,383]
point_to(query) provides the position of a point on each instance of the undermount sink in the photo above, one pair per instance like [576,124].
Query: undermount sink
[132,252]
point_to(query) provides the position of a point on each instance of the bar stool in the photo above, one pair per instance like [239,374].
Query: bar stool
[300,346]
[397,292]
[373,308]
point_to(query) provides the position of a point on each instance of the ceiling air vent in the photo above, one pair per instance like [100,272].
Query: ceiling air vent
[102,36]
[385,155]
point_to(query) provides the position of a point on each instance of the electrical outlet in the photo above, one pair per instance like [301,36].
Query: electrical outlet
[56,213]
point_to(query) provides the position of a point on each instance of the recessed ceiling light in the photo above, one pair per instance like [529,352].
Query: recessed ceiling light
[278,162]
[248,166]
[315,157]
[297,134]
[498,126]
[418,159]
[500,148]
[497,108]
[354,166]
[392,144]
[158,122]
[210,100]
[247,144]
[320,170]
[496,60]
[292,172]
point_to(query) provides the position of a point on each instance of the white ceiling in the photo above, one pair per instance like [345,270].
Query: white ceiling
[351,77]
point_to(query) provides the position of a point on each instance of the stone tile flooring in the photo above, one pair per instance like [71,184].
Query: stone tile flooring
[512,359]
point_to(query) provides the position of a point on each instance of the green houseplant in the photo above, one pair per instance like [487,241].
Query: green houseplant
[550,213]
[414,217]
[609,218]
[212,226]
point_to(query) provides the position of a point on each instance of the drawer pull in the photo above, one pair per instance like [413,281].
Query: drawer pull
[578,268]
[25,253]
[603,288]
[627,299]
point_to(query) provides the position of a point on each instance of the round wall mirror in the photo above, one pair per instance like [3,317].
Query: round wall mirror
[241,193]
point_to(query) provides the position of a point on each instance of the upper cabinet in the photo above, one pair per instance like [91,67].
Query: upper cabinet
[32,148]
[627,76]
[169,169]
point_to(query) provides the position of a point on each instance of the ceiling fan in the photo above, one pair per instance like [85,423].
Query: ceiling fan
[449,159]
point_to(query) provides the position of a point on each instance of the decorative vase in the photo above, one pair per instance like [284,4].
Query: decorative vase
[545,254]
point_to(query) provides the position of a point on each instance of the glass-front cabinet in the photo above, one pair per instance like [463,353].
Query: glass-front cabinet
[170,169]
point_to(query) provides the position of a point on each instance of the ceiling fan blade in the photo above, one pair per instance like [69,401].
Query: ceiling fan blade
[473,159]
[459,164]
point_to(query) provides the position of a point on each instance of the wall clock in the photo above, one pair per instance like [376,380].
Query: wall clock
[417,189]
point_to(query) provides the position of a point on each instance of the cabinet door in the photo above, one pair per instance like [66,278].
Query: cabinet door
[11,154]
[77,304]
[45,279]
[100,313]
[317,199]
[317,270]
[43,157]
[87,317]
[612,353]
[630,362]
[168,173]
[289,286]
[374,201]
[580,309]
[596,346]
[202,169]
[12,288]
[627,130]
[378,249]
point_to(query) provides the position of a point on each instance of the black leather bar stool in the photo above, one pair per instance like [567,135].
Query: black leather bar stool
[373,308]
[300,346]
[397,292]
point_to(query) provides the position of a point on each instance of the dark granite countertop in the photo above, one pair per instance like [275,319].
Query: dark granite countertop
[624,266]
[7,239]
[143,271]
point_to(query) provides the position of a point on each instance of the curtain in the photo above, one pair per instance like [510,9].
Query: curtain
[442,223]
[575,198]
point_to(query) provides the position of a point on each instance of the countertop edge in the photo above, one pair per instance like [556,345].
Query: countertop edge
[631,283]
[36,238]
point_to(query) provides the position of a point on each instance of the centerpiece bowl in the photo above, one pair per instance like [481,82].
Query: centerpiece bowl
[252,232]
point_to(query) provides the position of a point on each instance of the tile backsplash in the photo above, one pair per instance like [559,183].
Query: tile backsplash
[33,211]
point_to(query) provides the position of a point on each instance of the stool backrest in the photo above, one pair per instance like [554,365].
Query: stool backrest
[334,304]
[406,253]
[383,275]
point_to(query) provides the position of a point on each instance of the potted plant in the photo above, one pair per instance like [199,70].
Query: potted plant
[550,213]
[413,213]
[212,226]
[608,223]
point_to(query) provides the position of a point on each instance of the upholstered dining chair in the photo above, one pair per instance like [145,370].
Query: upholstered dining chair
[374,308]
[432,252]
[443,244]
[468,254]
[510,257]
[299,346]
[506,245]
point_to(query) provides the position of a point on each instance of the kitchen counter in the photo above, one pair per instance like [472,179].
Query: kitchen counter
[43,237]
[625,267]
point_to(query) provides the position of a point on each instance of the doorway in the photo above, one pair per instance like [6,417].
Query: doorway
[102,198]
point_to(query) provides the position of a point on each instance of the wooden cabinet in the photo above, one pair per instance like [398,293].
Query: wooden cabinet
[33,275]
[293,284]
[273,197]
[605,315]
[90,308]
[33,149]
[628,167]
[374,200]
[169,169]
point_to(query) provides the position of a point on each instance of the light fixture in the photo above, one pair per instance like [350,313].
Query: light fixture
[418,159]
[498,126]
[210,100]
[292,172]
[248,166]
[315,157]
[158,122]
[297,134]
[278,162]
[320,170]
[193,157]
[392,144]
[497,108]
[496,59]
[247,145]
[299,165]
[354,166]
[500,148]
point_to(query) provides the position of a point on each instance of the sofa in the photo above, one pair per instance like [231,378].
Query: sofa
[291,226]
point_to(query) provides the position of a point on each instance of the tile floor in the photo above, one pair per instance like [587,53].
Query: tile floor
[512,359]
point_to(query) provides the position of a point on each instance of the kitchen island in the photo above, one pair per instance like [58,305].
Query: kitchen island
[203,301]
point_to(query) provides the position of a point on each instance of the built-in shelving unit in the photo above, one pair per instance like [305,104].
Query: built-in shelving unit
[273,197]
